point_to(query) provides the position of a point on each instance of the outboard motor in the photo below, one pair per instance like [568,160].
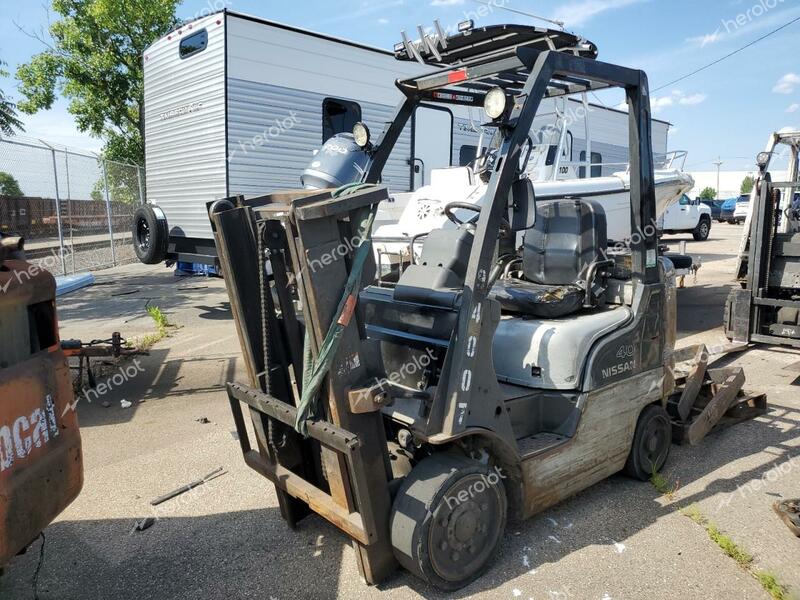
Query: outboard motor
[340,161]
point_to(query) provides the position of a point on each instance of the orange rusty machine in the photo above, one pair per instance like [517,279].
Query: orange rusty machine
[41,465]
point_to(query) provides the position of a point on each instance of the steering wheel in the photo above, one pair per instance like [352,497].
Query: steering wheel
[505,226]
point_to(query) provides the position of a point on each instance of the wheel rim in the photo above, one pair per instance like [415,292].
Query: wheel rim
[464,534]
[704,229]
[143,234]
[656,439]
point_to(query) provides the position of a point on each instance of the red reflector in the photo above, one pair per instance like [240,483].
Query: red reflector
[457,76]
[169,37]
[219,22]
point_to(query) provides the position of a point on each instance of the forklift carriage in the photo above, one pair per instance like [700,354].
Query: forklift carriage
[492,380]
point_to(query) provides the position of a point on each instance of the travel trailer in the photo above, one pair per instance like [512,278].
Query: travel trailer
[237,105]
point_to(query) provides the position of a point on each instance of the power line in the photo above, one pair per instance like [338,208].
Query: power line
[727,56]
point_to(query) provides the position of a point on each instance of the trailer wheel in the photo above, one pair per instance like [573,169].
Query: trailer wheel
[448,519]
[651,443]
[150,235]
[703,229]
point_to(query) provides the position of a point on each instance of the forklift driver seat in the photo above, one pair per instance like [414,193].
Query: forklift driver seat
[559,260]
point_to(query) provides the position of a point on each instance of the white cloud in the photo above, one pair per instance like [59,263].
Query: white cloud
[383,21]
[579,13]
[692,100]
[658,104]
[793,108]
[705,40]
[787,83]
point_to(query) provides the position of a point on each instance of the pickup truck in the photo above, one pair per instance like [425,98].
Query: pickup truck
[687,216]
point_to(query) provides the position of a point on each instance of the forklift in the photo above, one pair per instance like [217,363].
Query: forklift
[41,463]
[766,309]
[517,362]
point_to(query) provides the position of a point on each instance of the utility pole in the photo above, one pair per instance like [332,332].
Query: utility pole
[719,164]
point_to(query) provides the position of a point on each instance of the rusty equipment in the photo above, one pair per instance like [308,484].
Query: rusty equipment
[114,347]
[41,465]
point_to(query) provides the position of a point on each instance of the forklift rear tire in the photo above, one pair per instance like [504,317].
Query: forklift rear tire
[150,234]
[651,443]
[448,519]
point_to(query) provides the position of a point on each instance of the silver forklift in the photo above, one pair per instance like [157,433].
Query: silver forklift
[766,309]
[518,362]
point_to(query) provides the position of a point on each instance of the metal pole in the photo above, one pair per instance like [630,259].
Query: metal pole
[141,184]
[719,163]
[69,212]
[58,215]
[108,214]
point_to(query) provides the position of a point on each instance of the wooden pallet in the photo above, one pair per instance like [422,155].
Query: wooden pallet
[708,399]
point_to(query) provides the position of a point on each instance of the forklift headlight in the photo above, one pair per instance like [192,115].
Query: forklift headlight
[762,160]
[495,103]
[361,134]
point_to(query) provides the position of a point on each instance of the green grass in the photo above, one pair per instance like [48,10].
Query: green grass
[773,587]
[743,558]
[144,343]
[664,486]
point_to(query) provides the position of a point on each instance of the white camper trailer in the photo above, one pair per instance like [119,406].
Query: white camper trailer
[236,105]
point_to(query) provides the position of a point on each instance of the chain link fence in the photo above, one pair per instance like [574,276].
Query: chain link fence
[74,209]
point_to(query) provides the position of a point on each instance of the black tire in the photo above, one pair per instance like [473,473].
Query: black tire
[448,519]
[150,235]
[703,229]
[651,443]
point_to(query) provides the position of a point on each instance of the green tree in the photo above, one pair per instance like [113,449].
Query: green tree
[747,185]
[9,123]
[8,185]
[95,61]
[708,193]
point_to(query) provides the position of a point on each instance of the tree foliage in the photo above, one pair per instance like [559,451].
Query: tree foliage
[95,61]
[747,185]
[9,123]
[708,193]
[9,186]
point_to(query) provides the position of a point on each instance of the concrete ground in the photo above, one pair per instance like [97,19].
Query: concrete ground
[619,539]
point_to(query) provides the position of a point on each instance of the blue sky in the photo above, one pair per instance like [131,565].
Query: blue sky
[728,110]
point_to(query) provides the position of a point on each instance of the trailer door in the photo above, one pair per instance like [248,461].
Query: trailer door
[433,143]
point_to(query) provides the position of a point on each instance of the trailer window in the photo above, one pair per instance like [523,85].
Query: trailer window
[193,44]
[338,116]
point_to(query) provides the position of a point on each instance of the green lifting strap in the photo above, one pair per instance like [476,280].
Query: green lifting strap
[314,372]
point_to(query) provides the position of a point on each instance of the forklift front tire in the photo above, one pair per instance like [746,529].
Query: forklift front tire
[448,519]
[651,443]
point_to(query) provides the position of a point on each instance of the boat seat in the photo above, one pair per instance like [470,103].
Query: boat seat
[551,354]
[558,255]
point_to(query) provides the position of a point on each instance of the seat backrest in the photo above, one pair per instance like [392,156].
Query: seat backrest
[438,277]
[569,235]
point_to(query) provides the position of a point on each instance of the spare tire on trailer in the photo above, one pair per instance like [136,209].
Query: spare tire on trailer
[150,234]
